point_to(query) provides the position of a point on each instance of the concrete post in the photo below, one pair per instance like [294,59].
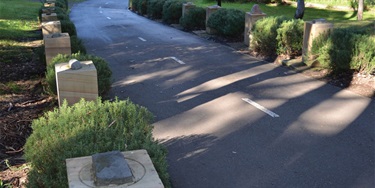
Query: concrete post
[312,29]
[49,4]
[49,17]
[51,27]
[58,43]
[251,17]
[209,11]
[186,7]
[73,85]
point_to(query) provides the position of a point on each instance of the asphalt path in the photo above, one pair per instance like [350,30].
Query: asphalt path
[228,119]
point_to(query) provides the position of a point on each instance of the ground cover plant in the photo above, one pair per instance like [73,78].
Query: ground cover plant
[227,22]
[84,129]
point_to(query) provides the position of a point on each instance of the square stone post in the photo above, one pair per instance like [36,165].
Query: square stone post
[58,43]
[250,18]
[51,27]
[186,7]
[73,85]
[209,11]
[312,29]
[49,4]
[49,17]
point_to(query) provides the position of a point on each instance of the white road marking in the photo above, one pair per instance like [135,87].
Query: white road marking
[178,61]
[260,107]
[108,18]
[142,39]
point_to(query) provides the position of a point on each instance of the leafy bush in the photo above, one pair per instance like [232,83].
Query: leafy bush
[194,19]
[344,49]
[155,8]
[103,71]
[76,45]
[84,129]
[135,5]
[172,11]
[142,6]
[290,37]
[264,35]
[227,22]
[68,27]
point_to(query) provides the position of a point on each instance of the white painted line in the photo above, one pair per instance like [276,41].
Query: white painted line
[108,18]
[142,39]
[178,61]
[260,107]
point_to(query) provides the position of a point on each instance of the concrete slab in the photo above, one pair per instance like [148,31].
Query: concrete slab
[145,175]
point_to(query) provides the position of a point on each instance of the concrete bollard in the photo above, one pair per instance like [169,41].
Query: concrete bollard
[312,29]
[74,83]
[251,17]
[58,43]
[186,7]
[49,4]
[51,27]
[49,17]
[48,10]
[209,11]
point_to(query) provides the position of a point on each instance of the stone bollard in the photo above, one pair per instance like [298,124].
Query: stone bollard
[251,17]
[209,11]
[312,29]
[49,4]
[76,80]
[58,43]
[82,171]
[46,17]
[51,27]
[186,7]
[48,10]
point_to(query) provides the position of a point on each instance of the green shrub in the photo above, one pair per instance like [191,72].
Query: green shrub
[84,129]
[363,58]
[264,35]
[343,50]
[142,6]
[62,4]
[68,27]
[155,8]
[290,37]
[227,22]
[135,5]
[103,71]
[77,45]
[172,11]
[194,19]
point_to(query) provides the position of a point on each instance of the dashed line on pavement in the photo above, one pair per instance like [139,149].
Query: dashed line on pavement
[108,18]
[142,39]
[260,107]
[178,61]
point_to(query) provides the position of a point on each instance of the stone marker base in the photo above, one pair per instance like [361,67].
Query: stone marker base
[209,11]
[49,4]
[51,27]
[58,43]
[145,175]
[186,7]
[49,17]
[72,85]
[250,20]
[312,29]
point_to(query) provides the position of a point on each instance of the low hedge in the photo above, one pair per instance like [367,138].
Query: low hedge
[344,49]
[84,129]
[68,27]
[172,11]
[103,71]
[227,22]
[195,19]
[290,38]
[155,8]
[76,45]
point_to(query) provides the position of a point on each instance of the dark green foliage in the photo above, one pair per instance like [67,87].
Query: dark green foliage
[264,35]
[84,129]
[142,7]
[172,11]
[195,19]
[290,37]
[135,5]
[68,27]
[227,22]
[77,45]
[344,49]
[155,8]
[103,71]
